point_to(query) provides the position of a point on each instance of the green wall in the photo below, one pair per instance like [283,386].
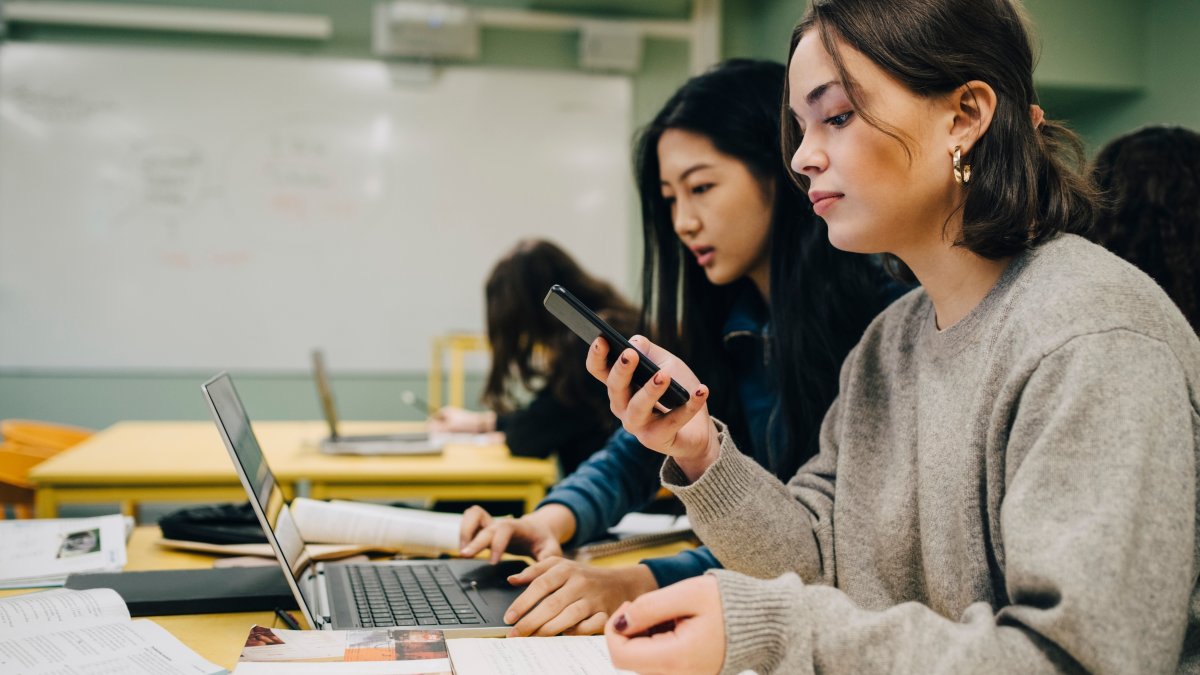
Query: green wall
[1170,88]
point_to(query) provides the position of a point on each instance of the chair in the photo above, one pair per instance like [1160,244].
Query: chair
[43,436]
[458,345]
[15,489]
[24,445]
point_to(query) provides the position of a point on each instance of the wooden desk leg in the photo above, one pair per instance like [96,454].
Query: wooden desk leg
[45,504]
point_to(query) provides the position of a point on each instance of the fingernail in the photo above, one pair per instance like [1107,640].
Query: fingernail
[621,624]
[700,392]
[658,377]
[508,618]
[623,359]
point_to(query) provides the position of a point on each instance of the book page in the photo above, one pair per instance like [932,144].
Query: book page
[48,610]
[125,647]
[562,655]
[408,530]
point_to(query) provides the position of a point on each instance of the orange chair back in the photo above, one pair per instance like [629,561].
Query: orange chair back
[23,445]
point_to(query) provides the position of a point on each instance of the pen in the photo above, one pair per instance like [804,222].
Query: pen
[415,401]
[287,619]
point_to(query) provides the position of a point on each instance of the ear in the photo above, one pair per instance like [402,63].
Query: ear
[974,104]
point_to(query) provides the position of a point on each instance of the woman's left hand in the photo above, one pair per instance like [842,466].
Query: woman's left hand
[564,596]
[677,629]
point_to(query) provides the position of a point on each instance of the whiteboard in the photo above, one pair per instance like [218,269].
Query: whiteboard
[200,210]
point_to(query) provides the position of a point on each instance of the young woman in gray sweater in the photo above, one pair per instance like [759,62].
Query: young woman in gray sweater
[1007,482]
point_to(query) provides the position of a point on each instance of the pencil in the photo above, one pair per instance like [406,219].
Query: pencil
[287,619]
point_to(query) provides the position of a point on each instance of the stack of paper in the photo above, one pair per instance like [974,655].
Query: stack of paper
[43,552]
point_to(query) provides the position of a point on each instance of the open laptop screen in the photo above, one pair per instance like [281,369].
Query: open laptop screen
[325,392]
[257,478]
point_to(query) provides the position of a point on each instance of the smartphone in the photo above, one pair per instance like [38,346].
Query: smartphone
[584,323]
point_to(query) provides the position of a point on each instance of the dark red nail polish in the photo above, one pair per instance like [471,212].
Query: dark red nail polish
[658,378]
[621,624]
[623,359]
[699,393]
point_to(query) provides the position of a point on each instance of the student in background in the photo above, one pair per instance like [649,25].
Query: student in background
[733,252]
[1007,482]
[532,350]
[1152,178]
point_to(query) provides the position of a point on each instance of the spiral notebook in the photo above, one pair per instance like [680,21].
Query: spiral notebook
[636,531]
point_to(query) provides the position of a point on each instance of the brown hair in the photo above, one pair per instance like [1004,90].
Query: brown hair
[1152,179]
[530,346]
[1027,183]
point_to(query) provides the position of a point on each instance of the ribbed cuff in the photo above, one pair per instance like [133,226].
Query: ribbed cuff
[720,489]
[761,625]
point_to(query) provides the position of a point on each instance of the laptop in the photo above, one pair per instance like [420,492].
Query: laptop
[463,598]
[337,444]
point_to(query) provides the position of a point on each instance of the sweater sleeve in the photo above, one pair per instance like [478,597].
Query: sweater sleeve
[1097,554]
[736,495]
[682,565]
[620,478]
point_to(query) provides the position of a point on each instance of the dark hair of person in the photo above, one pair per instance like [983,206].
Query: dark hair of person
[529,345]
[821,299]
[1027,183]
[1151,178]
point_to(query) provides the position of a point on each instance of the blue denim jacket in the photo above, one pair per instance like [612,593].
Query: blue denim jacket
[623,476]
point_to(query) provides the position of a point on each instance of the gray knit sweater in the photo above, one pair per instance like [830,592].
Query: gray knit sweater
[1015,494]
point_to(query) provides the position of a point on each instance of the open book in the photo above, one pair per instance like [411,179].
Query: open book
[337,529]
[82,632]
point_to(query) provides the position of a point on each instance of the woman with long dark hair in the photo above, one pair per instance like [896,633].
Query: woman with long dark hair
[739,277]
[1151,178]
[534,352]
[1007,481]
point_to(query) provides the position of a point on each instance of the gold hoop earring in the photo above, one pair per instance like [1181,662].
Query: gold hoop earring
[962,172]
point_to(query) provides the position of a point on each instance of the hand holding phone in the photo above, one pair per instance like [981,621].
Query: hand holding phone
[584,323]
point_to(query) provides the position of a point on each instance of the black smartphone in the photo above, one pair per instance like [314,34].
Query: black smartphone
[584,323]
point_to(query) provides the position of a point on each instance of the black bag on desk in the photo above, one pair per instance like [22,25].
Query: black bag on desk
[214,524]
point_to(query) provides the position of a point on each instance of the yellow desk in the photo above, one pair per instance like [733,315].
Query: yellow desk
[219,637]
[186,461]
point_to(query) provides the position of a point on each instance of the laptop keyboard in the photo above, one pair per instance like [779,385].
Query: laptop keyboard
[402,595]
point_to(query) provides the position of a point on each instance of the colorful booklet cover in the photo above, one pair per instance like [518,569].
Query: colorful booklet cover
[380,651]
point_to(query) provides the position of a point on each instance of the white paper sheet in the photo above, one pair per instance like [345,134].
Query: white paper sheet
[649,523]
[563,655]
